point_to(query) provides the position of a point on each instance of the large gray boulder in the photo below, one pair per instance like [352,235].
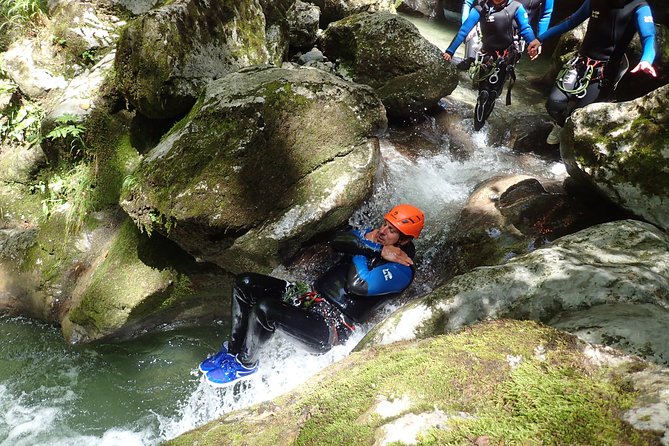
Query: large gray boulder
[387,52]
[166,56]
[622,264]
[623,150]
[266,159]
[333,10]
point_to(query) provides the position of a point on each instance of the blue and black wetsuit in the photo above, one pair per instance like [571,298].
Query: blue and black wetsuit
[346,294]
[539,14]
[497,25]
[611,27]
[499,52]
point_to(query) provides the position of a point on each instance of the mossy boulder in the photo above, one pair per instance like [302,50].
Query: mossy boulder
[621,262]
[136,284]
[388,53]
[622,149]
[267,158]
[333,10]
[165,57]
[503,382]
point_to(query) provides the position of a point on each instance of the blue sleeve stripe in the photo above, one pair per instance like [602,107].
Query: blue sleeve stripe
[646,28]
[469,24]
[546,15]
[569,23]
[524,24]
[384,279]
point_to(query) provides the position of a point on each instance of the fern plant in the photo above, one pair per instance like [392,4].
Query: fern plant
[69,128]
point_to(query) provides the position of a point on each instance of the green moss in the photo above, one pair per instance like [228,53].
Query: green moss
[548,399]
[118,285]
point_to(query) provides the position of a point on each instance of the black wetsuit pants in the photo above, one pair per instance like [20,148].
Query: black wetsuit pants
[560,104]
[258,310]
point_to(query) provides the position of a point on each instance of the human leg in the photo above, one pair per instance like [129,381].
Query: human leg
[247,290]
[309,329]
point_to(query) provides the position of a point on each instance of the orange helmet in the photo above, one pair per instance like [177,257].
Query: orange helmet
[407,219]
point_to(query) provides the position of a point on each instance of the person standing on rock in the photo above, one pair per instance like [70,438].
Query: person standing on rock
[594,72]
[539,13]
[499,53]
[378,265]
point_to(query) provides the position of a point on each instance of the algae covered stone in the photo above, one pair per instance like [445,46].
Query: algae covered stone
[503,382]
[266,159]
[165,57]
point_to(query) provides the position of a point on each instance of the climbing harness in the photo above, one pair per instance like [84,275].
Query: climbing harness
[488,69]
[309,298]
[576,75]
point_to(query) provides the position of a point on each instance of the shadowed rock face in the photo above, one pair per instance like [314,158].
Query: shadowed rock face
[166,57]
[622,149]
[266,159]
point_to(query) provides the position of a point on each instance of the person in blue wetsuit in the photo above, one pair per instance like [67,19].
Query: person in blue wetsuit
[593,73]
[499,19]
[379,265]
[539,13]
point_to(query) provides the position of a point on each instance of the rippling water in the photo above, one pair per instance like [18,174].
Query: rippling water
[146,391]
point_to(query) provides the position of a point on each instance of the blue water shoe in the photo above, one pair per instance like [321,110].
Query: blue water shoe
[216,360]
[229,373]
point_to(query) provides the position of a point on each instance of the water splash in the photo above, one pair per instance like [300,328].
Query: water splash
[283,367]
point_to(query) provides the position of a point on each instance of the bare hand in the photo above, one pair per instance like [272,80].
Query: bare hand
[447,57]
[534,49]
[372,235]
[395,254]
[645,67]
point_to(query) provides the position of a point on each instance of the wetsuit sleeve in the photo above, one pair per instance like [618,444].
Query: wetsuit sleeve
[466,7]
[567,24]
[467,26]
[524,24]
[354,242]
[646,28]
[386,278]
[545,19]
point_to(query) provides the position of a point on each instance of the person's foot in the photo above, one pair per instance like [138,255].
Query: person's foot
[230,372]
[554,136]
[215,360]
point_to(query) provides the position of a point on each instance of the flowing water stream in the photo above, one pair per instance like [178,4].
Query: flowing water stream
[146,391]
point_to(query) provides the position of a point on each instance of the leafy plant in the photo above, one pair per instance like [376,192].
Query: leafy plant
[70,192]
[21,122]
[69,128]
[18,12]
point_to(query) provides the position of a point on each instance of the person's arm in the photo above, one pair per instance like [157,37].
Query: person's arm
[387,278]
[646,29]
[567,24]
[467,26]
[466,7]
[571,22]
[354,242]
[545,19]
[523,22]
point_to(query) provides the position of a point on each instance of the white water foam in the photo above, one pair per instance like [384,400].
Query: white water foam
[283,367]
